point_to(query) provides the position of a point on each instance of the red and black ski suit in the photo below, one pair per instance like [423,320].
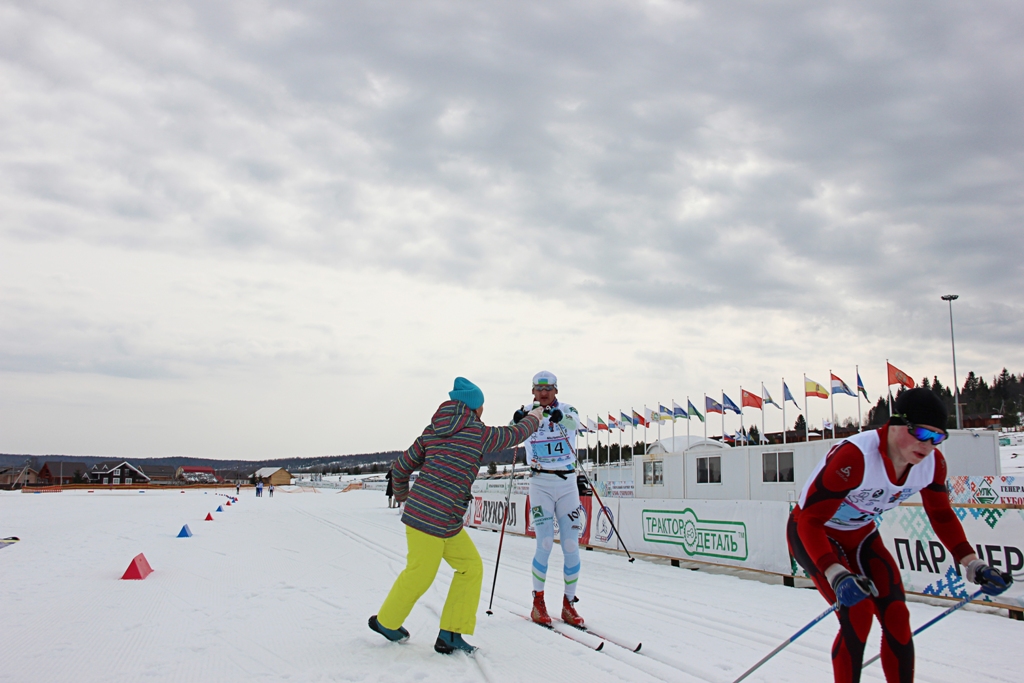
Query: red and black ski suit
[835,522]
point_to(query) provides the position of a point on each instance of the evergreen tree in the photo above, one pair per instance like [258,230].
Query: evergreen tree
[879,415]
[801,424]
[754,434]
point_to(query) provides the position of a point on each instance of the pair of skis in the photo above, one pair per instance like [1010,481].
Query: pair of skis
[575,633]
[10,540]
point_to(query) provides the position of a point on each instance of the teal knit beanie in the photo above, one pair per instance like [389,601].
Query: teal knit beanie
[467,392]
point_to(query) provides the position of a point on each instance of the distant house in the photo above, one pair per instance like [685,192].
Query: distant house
[117,473]
[277,476]
[196,474]
[61,472]
[158,473]
[17,477]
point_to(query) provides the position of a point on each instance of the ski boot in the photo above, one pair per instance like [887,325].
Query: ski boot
[448,642]
[399,636]
[540,610]
[569,613]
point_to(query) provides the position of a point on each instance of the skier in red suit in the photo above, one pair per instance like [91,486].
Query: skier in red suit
[833,532]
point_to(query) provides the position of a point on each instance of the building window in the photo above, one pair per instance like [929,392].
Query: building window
[654,473]
[106,480]
[777,467]
[709,470]
[117,480]
[128,480]
[117,472]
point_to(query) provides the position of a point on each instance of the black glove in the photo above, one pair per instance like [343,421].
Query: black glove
[555,416]
[851,588]
[989,579]
[519,414]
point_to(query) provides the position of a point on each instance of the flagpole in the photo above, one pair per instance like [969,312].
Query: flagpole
[741,411]
[832,402]
[762,413]
[783,411]
[620,444]
[632,431]
[646,423]
[888,387]
[705,417]
[807,422]
[687,420]
[860,427]
[673,423]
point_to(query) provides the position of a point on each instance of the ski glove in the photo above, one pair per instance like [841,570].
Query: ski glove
[518,416]
[555,416]
[849,588]
[989,579]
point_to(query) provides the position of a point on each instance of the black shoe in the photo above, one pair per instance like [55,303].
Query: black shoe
[448,642]
[399,636]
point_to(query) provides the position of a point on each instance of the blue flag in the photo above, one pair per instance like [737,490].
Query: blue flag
[727,404]
[788,396]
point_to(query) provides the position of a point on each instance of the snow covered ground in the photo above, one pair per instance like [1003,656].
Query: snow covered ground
[1012,460]
[280,589]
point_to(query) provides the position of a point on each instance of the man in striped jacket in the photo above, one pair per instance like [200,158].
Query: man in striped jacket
[448,454]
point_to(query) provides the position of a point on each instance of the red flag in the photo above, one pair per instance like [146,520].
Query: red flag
[897,376]
[749,399]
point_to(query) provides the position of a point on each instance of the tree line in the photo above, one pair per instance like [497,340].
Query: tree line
[978,398]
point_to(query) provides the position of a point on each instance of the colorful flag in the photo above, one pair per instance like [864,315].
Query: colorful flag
[639,420]
[825,424]
[649,415]
[692,410]
[812,388]
[678,411]
[727,404]
[839,387]
[612,424]
[787,396]
[767,398]
[664,413]
[712,406]
[601,425]
[591,427]
[627,418]
[749,399]
[897,376]
[860,387]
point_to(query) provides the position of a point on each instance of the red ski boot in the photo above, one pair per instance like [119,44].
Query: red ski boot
[540,610]
[569,613]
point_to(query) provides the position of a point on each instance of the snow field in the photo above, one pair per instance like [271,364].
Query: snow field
[281,588]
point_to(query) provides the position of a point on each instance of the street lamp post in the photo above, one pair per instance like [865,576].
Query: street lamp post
[956,385]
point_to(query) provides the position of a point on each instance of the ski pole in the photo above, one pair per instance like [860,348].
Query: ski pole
[785,643]
[945,614]
[594,491]
[504,518]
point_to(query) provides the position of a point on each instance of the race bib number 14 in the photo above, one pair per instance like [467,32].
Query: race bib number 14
[550,450]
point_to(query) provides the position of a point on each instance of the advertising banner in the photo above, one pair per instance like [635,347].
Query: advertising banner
[928,568]
[986,490]
[743,533]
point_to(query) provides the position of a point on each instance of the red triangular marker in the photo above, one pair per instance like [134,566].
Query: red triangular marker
[209,517]
[138,569]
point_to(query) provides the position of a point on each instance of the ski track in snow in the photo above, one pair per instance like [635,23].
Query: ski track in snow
[280,589]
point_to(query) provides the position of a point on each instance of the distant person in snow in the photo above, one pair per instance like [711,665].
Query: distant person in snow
[259,489]
[554,495]
[271,489]
[833,535]
[448,455]
[390,490]
[238,488]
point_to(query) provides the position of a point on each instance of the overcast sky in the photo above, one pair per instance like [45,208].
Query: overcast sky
[259,229]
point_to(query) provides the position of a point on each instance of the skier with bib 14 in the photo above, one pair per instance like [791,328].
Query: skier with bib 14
[554,495]
[833,534]
[448,455]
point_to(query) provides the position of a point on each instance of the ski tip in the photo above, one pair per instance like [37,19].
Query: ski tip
[638,647]
[600,646]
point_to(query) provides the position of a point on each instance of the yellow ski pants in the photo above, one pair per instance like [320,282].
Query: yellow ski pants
[422,563]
